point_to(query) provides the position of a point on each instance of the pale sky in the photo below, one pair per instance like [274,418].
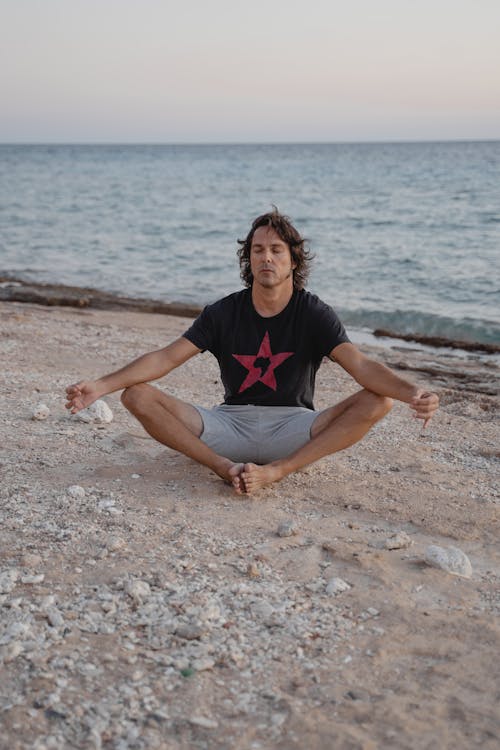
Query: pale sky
[254,71]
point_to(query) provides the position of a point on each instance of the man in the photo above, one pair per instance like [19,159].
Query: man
[269,339]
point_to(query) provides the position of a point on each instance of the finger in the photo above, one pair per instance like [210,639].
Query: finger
[427,405]
[425,411]
[423,401]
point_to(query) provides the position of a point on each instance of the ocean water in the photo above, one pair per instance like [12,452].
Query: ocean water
[406,236]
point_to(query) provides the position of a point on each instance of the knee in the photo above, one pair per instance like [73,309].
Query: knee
[377,406]
[133,397]
[382,406]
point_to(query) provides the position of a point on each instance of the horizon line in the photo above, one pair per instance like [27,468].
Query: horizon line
[396,141]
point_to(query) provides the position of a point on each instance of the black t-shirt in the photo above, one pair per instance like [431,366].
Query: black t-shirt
[268,361]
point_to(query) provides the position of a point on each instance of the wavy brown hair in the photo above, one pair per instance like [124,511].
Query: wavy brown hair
[284,228]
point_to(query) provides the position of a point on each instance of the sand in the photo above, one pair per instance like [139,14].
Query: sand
[154,608]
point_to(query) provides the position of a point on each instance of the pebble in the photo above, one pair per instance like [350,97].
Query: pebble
[35,578]
[106,504]
[253,570]
[98,413]
[76,491]
[12,651]
[336,586]
[203,721]
[286,528]
[55,618]
[40,412]
[401,540]
[8,580]
[262,610]
[451,559]
[115,543]
[203,665]
[137,590]
[190,631]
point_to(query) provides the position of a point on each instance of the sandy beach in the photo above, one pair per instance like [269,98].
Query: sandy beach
[144,605]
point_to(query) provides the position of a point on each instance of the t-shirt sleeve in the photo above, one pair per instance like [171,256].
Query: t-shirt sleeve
[327,329]
[201,332]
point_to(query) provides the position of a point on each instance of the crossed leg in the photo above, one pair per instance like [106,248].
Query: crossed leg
[334,429]
[178,425]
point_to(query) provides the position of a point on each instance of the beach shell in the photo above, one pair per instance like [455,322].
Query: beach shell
[98,412]
[40,412]
[451,559]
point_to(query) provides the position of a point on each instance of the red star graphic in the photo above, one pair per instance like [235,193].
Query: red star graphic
[260,372]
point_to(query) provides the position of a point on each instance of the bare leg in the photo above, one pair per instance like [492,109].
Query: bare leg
[333,430]
[177,425]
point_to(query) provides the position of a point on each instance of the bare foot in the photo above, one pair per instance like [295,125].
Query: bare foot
[235,478]
[254,477]
[230,472]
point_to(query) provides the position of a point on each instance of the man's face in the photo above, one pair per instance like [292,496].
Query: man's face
[270,259]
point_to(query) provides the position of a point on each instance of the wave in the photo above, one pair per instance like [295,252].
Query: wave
[417,323]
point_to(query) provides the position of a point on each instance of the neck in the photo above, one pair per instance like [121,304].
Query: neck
[269,302]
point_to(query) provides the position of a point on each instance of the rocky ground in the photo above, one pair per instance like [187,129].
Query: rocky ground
[144,605]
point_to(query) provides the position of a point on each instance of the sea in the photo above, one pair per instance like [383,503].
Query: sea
[406,236]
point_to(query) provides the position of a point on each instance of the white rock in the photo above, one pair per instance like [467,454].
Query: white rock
[76,491]
[98,412]
[40,412]
[137,590]
[286,528]
[8,580]
[106,504]
[12,650]
[336,586]
[35,578]
[203,721]
[451,559]
[115,543]
[211,611]
[16,631]
[55,618]
[401,540]
[203,665]
[262,610]
[47,601]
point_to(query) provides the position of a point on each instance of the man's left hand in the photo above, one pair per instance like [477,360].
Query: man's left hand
[424,404]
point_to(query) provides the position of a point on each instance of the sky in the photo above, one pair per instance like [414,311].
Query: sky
[220,71]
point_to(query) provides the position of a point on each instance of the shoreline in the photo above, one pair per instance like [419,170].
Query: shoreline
[15,289]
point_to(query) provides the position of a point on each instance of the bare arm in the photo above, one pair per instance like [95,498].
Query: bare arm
[148,367]
[378,378]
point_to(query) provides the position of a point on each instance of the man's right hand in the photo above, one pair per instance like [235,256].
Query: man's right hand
[82,394]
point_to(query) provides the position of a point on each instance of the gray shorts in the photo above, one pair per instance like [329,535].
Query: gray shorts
[256,434]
